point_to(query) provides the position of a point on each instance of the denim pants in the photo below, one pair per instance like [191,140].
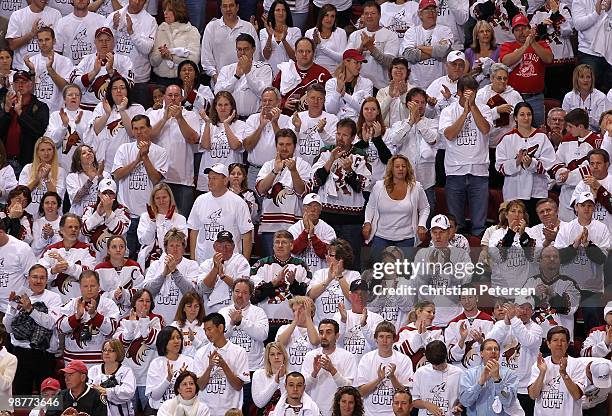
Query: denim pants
[379,244]
[197,13]
[184,197]
[601,69]
[474,190]
[133,244]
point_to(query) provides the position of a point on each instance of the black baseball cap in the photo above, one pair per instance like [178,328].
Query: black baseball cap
[359,284]
[225,236]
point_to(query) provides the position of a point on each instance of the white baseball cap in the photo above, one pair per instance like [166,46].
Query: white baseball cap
[107,184]
[440,221]
[455,56]
[607,308]
[310,198]
[219,168]
[582,197]
[521,300]
[600,370]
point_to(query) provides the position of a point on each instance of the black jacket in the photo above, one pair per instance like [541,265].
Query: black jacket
[33,121]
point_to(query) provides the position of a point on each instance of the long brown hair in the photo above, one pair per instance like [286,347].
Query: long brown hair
[214,117]
[324,9]
[410,177]
[361,120]
[189,297]
[504,223]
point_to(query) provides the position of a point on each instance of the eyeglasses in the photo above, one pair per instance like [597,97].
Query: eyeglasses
[501,78]
[107,350]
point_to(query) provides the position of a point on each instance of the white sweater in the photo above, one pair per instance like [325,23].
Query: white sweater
[174,35]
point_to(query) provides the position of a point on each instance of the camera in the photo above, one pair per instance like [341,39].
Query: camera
[86,334]
[110,382]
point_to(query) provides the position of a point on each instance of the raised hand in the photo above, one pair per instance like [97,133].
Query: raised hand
[446,93]
[123,104]
[28,63]
[463,331]
[364,317]
[342,310]
[129,24]
[170,371]
[542,364]
[321,124]
[297,122]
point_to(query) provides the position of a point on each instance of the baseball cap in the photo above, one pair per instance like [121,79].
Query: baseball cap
[423,4]
[50,384]
[104,31]
[600,370]
[225,236]
[455,56]
[582,197]
[520,20]
[107,184]
[310,198]
[440,221]
[75,366]
[608,308]
[353,54]
[21,74]
[219,168]
[358,284]
[521,300]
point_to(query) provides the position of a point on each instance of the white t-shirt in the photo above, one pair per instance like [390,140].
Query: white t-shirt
[438,387]
[158,388]
[265,149]
[74,182]
[250,334]
[297,348]
[278,53]
[134,190]
[45,88]
[75,35]
[468,153]
[555,399]
[20,23]
[320,388]
[211,215]
[220,295]
[399,17]
[328,53]
[423,72]
[324,232]
[218,394]
[139,44]
[220,150]
[355,338]
[39,191]
[326,304]
[7,182]
[378,403]
[310,141]
[387,42]
[8,7]
[179,151]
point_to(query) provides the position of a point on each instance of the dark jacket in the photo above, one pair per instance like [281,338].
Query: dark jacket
[89,402]
[33,121]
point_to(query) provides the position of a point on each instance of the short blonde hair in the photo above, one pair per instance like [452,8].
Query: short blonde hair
[175,234]
[302,301]
[580,69]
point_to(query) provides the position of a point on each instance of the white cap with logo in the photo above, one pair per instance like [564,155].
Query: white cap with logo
[582,197]
[455,56]
[440,221]
[107,184]
[310,198]
[219,168]
[600,371]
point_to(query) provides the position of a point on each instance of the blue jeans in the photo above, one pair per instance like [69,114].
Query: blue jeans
[197,13]
[352,234]
[133,244]
[267,240]
[537,103]
[474,189]
[379,244]
[300,20]
[140,398]
[430,193]
[183,195]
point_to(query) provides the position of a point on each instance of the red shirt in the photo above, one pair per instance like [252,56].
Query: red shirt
[527,77]
[315,74]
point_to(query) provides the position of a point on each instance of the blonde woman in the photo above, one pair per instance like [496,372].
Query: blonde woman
[584,95]
[397,211]
[301,335]
[43,174]
[345,92]
[160,217]
[482,53]
[270,380]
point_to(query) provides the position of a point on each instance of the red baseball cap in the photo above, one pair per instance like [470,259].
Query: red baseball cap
[75,366]
[50,384]
[104,31]
[423,4]
[520,20]
[353,54]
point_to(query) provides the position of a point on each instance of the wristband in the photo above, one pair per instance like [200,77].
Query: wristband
[236,76]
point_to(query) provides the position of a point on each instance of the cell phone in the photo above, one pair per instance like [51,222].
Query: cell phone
[585,170]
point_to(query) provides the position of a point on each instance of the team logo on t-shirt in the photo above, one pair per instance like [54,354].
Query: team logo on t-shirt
[242,339]
[137,351]
[511,355]
[383,395]
[4,277]
[80,46]
[71,139]
[44,86]
[279,193]
[438,398]
[552,398]
[310,142]
[212,228]
[217,383]
[354,342]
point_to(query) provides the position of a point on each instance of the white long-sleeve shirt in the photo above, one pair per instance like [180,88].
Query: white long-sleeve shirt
[423,72]
[525,182]
[594,104]
[7,182]
[158,388]
[266,387]
[387,42]
[347,105]
[247,89]
[321,386]
[328,52]
[68,138]
[139,44]
[250,334]
[511,96]
[118,398]
[26,176]
[219,44]
[586,22]
[18,258]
